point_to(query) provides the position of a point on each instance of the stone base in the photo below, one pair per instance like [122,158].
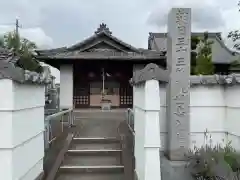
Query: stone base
[172,170]
[106,106]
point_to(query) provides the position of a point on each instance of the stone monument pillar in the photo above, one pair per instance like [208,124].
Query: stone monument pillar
[178,99]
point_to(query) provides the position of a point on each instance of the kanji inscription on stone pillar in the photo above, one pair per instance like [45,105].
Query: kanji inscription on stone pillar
[178,98]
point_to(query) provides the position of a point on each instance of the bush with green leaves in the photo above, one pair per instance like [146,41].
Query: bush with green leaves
[214,161]
[204,65]
[23,48]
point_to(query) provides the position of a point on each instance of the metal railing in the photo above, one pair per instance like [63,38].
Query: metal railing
[57,128]
[130,118]
[56,124]
[127,138]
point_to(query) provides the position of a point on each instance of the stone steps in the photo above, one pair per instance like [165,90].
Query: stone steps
[92,158]
[95,151]
[91,176]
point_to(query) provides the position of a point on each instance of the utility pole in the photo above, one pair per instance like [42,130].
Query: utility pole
[17,26]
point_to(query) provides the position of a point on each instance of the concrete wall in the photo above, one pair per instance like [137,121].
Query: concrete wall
[66,86]
[212,108]
[21,130]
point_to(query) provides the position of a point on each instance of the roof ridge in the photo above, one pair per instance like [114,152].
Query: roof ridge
[107,34]
[162,34]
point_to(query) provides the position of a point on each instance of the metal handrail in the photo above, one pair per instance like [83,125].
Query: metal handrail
[130,119]
[127,138]
[58,114]
[49,137]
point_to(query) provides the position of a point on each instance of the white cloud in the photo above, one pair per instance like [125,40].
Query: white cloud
[206,15]
[36,35]
[66,22]
[59,22]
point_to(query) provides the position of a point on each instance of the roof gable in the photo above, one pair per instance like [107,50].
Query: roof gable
[103,36]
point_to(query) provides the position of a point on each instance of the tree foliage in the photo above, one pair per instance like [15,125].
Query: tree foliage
[194,42]
[204,65]
[235,36]
[23,48]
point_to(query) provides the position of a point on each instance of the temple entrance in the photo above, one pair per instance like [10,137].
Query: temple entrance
[100,82]
[110,93]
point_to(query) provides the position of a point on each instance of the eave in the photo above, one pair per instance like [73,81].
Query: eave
[59,59]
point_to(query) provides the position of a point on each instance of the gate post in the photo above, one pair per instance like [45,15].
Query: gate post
[147,125]
[22,120]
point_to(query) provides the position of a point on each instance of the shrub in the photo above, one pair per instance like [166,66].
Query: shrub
[214,162]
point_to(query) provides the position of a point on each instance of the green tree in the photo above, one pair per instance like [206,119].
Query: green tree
[204,63]
[1,41]
[194,42]
[235,36]
[23,48]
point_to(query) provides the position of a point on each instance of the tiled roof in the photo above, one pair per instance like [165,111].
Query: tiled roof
[77,50]
[162,46]
[8,56]
[153,71]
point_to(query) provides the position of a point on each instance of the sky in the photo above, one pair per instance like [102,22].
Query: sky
[57,23]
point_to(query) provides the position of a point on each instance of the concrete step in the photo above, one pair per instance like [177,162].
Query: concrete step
[91,169]
[94,152]
[95,146]
[95,143]
[92,159]
[91,176]
[96,140]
